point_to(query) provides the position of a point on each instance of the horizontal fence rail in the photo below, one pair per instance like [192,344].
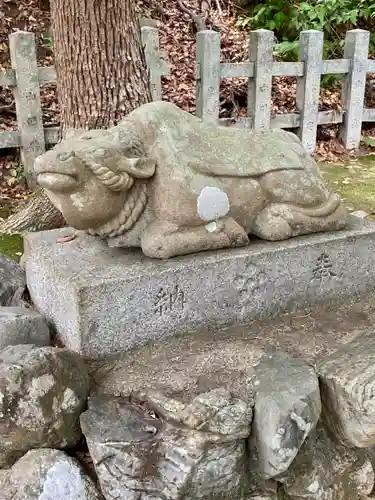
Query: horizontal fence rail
[261,68]
[25,78]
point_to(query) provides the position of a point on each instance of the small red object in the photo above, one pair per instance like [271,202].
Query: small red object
[66,239]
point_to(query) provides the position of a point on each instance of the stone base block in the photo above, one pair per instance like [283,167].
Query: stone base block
[104,300]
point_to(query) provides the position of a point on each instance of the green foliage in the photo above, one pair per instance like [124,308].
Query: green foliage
[368,141]
[287,18]
[47,41]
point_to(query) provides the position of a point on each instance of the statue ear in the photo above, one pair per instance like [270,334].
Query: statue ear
[140,168]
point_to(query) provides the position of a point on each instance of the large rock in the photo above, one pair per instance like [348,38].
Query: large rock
[20,325]
[119,300]
[167,182]
[347,381]
[324,470]
[287,408]
[47,475]
[263,489]
[12,282]
[201,388]
[164,448]
[42,394]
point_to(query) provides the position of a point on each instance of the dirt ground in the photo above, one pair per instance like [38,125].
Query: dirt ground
[306,334]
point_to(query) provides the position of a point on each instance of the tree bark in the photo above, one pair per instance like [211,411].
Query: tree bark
[101,77]
[37,215]
[99,61]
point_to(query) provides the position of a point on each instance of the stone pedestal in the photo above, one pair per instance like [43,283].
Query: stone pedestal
[104,300]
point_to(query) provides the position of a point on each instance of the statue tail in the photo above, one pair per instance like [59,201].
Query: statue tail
[324,210]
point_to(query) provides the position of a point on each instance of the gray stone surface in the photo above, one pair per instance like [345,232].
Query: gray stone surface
[170,184]
[347,381]
[326,471]
[287,408]
[182,369]
[268,491]
[12,282]
[105,300]
[47,474]
[42,394]
[21,325]
[168,449]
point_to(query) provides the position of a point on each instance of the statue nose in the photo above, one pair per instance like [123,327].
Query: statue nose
[66,155]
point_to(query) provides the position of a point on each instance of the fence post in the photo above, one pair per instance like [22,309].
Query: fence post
[308,86]
[150,40]
[208,75]
[260,86]
[27,98]
[353,92]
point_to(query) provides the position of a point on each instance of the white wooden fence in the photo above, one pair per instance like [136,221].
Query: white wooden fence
[261,68]
[25,78]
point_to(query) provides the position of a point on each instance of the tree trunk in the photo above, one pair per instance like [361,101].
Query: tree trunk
[37,215]
[100,65]
[101,77]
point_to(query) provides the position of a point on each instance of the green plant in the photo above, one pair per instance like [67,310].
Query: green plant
[47,42]
[368,141]
[287,18]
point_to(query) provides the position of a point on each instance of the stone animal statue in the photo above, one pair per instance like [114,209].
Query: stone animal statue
[165,181]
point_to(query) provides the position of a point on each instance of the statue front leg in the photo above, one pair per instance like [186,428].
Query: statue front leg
[162,240]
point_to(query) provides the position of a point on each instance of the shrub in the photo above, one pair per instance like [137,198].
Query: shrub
[287,18]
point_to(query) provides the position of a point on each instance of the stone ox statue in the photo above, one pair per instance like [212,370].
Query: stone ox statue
[165,181]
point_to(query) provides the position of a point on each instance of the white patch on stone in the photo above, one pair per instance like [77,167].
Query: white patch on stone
[302,424]
[276,442]
[211,227]
[212,203]
[70,400]
[29,408]
[41,385]
[63,482]
[313,487]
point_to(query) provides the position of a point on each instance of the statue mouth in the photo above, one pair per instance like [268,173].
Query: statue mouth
[59,174]
[58,182]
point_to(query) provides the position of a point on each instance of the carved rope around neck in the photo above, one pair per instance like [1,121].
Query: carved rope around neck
[134,206]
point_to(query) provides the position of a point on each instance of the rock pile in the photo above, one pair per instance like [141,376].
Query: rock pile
[209,419]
